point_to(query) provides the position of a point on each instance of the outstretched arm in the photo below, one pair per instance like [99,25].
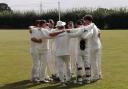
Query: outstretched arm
[56,33]
[75,32]
[79,31]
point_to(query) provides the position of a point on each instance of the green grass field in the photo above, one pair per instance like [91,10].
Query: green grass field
[15,62]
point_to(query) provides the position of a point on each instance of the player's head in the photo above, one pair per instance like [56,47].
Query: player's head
[43,23]
[37,23]
[70,25]
[60,25]
[79,23]
[51,23]
[87,19]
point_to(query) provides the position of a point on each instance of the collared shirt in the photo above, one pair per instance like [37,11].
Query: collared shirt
[84,32]
[40,33]
[62,41]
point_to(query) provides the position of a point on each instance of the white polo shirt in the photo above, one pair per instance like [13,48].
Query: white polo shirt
[96,40]
[85,32]
[62,41]
[93,39]
[40,34]
[62,44]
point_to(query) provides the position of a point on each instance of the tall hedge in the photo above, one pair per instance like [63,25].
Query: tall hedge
[103,18]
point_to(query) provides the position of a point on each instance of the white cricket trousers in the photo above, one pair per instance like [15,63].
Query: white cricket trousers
[64,67]
[95,58]
[83,62]
[51,62]
[39,62]
[73,56]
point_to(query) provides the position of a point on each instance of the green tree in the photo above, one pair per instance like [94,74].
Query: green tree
[4,7]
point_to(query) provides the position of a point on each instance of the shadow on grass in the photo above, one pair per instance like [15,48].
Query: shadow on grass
[58,86]
[26,84]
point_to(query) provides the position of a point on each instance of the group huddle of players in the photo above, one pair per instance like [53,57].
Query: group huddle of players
[68,52]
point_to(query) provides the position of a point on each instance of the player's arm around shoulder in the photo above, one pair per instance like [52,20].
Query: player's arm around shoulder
[55,33]
[36,40]
[91,26]
[75,32]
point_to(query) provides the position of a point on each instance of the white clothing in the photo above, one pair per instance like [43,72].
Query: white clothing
[39,53]
[64,66]
[94,46]
[95,54]
[51,55]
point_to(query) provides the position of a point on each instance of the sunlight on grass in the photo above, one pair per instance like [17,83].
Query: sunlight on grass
[15,62]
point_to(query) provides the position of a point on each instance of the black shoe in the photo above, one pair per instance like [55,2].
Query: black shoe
[94,80]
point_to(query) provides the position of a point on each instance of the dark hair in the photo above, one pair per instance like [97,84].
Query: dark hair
[79,22]
[51,21]
[60,27]
[37,22]
[43,22]
[88,17]
[70,22]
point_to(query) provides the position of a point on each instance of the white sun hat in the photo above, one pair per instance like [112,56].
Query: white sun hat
[60,23]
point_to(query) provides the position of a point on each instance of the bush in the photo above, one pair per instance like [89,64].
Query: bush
[103,18]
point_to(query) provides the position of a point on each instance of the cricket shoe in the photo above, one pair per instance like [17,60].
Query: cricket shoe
[94,80]
[44,81]
[55,78]
[64,84]
[100,77]
[35,81]
[87,81]
[80,81]
[49,79]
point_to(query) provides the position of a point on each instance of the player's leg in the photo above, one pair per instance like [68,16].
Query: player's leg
[55,73]
[68,67]
[50,58]
[98,59]
[49,67]
[60,65]
[43,66]
[35,66]
[73,56]
[79,69]
[87,67]
[94,66]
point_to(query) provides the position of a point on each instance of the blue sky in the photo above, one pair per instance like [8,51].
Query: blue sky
[65,4]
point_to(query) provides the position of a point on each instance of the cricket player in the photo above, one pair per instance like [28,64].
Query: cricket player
[94,47]
[73,42]
[35,64]
[39,51]
[62,54]
[63,50]
[82,54]
[95,55]
[51,55]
